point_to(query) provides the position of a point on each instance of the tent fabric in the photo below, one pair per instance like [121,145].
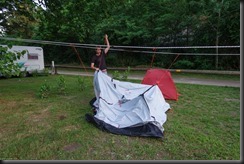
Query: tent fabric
[164,80]
[128,108]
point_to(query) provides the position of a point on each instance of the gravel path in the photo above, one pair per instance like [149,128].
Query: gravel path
[199,81]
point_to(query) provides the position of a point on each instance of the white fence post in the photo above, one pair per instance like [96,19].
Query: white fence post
[53,68]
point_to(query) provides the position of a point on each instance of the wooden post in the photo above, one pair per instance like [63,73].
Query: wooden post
[54,70]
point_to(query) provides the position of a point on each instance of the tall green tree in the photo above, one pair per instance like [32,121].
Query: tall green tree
[219,25]
[17,18]
[128,22]
[70,21]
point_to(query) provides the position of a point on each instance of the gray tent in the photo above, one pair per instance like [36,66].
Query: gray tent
[128,108]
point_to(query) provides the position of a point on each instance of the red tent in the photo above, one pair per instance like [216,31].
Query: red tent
[164,81]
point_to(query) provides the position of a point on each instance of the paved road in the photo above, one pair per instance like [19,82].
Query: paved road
[187,80]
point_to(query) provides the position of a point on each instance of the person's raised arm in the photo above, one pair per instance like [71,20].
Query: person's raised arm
[107,43]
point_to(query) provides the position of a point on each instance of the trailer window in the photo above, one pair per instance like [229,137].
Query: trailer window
[33,56]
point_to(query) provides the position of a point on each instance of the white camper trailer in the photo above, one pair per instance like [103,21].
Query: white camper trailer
[32,60]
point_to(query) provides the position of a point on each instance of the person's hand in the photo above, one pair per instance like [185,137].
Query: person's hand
[97,69]
[106,36]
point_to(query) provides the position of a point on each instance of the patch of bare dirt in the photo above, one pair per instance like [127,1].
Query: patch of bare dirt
[72,147]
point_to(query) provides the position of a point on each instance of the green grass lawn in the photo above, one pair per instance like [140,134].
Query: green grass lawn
[204,124]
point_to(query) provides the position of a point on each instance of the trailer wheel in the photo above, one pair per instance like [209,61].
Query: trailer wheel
[27,74]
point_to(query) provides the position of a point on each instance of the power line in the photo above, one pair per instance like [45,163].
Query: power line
[114,46]
[124,48]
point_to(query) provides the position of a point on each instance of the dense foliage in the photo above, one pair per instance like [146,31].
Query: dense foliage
[151,23]
[8,66]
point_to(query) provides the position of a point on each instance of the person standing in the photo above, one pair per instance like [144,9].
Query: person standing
[98,60]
